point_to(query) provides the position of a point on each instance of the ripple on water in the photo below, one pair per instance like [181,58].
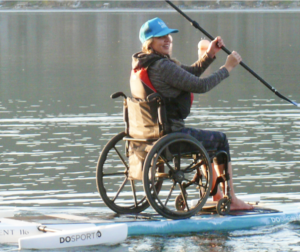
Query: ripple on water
[61,151]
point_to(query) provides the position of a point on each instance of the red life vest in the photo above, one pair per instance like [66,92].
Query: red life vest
[141,87]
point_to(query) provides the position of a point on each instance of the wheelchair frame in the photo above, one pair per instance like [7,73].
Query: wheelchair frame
[177,174]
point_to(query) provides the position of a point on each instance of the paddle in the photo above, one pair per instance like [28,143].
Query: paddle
[197,26]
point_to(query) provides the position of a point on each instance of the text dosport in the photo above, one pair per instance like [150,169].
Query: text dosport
[80,237]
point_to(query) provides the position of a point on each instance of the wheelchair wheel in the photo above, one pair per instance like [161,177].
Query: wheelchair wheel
[223,206]
[186,177]
[120,194]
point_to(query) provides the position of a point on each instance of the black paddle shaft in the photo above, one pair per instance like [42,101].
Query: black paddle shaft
[197,26]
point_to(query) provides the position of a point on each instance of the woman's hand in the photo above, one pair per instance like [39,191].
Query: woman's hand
[215,46]
[232,61]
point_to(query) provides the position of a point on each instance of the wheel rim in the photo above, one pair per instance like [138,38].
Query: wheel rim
[180,170]
[120,194]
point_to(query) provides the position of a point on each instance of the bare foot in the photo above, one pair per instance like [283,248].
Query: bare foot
[237,204]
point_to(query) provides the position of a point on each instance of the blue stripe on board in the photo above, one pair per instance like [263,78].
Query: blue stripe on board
[209,224]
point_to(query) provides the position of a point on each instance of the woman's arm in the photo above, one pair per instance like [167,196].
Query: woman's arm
[169,78]
[167,72]
[199,66]
[208,57]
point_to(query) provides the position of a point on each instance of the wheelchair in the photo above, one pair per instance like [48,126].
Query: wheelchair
[172,171]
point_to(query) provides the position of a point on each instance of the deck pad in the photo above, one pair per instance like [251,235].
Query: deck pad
[211,208]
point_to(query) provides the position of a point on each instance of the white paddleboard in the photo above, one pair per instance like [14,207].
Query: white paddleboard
[67,235]
[7,212]
[95,235]
[12,230]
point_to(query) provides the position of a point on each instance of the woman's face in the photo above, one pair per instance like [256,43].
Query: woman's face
[162,45]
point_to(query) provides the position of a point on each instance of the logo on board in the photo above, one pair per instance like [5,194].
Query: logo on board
[80,237]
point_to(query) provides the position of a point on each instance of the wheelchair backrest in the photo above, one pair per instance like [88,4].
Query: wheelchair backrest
[145,118]
[146,110]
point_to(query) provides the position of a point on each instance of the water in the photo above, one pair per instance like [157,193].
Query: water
[58,70]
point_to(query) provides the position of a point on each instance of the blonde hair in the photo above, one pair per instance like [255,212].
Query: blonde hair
[146,48]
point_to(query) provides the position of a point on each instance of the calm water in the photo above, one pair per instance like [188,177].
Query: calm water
[58,70]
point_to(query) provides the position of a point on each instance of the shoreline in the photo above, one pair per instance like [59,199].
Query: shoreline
[148,6]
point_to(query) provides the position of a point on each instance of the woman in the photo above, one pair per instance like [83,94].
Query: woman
[176,83]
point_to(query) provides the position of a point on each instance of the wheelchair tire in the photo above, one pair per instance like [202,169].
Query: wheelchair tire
[183,157]
[120,194]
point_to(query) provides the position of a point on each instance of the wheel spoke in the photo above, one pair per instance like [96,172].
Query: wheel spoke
[167,163]
[163,179]
[190,182]
[177,160]
[183,193]
[192,167]
[137,203]
[120,189]
[122,159]
[134,192]
[114,174]
[170,193]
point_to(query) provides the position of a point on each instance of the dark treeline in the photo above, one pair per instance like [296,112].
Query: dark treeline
[148,4]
